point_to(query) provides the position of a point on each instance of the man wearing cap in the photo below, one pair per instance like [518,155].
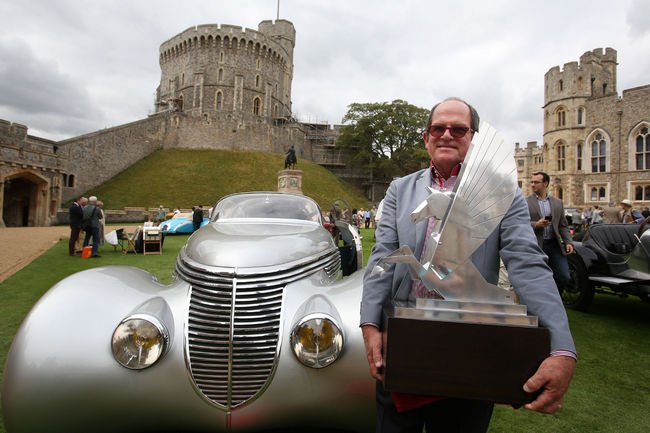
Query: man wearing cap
[630,215]
[160,215]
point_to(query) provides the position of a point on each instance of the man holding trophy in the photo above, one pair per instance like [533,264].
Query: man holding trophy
[448,136]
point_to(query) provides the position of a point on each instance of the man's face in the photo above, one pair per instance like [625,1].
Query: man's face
[445,150]
[537,184]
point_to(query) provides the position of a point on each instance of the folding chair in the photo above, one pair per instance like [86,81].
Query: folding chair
[130,239]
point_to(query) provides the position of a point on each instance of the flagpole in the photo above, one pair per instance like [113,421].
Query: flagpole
[278,14]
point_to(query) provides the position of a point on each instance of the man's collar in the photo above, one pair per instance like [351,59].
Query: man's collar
[435,172]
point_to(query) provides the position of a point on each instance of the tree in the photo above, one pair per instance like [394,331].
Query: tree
[386,137]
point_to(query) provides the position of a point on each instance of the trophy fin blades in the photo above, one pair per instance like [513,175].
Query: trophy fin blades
[483,194]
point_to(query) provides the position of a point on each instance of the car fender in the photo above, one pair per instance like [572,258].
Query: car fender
[588,256]
[61,359]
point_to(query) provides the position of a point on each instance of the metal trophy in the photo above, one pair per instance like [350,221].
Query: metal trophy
[466,338]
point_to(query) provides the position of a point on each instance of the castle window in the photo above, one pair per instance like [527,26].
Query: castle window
[579,156]
[221,57]
[641,190]
[218,101]
[561,117]
[257,105]
[561,156]
[258,64]
[581,116]
[70,181]
[598,193]
[275,110]
[598,154]
[257,81]
[561,85]
[220,74]
[642,154]
[604,89]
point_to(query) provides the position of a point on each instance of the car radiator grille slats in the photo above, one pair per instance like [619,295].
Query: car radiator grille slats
[233,331]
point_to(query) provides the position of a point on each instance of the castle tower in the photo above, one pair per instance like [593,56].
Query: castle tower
[566,93]
[211,69]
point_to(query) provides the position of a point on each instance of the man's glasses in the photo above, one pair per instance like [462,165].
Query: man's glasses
[438,131]
[535,182]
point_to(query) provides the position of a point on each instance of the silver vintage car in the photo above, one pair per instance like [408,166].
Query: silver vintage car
[258,331]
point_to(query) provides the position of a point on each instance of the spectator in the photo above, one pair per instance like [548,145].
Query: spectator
[197,217]
[611,214]
[551,228]
[76,215]
[597,217]
[102,221]
[161,214]
[630,215]
[91,223]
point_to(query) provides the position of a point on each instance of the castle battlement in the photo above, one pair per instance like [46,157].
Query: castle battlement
[593,76]
[226,35]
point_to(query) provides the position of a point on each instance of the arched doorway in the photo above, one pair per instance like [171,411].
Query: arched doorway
[23,200]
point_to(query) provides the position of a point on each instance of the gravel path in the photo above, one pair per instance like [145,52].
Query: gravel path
[21,245]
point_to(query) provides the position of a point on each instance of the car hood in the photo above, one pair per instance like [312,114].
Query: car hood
[257,244]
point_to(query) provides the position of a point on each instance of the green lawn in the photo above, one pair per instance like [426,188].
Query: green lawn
[610,392]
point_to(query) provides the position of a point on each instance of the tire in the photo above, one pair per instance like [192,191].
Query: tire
[579,292]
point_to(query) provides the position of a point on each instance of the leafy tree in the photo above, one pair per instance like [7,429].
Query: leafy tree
[385,137]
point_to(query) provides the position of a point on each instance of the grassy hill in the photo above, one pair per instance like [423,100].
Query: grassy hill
[184,177]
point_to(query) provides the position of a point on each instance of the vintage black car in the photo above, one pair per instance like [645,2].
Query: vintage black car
[612,258]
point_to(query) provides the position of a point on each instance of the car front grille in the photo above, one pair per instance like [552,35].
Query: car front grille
[234,325]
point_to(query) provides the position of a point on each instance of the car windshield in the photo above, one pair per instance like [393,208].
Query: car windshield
[267,205]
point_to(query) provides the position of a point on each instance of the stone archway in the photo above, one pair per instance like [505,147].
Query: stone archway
[24,200]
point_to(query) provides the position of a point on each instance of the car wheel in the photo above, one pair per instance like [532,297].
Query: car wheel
[579,292]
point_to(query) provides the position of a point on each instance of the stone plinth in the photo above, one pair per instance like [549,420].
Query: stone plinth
[290,181]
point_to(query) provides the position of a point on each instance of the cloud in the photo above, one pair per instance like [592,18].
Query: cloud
[36,92]
[638,18]
[76,68]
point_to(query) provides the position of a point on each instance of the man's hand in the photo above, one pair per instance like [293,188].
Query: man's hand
[372,338]
[541,223]
[569,248]
[552,377]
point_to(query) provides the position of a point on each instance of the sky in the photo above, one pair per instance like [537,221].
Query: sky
[69,67]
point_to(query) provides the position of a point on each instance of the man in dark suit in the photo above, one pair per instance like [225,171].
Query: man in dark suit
[551,228]
[197,217]
[447,137]
[76,216]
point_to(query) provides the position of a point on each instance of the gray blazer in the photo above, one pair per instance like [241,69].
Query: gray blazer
[513,240]
[558,221]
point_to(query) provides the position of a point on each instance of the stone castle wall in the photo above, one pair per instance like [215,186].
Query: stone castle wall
[221,68]
[586,92]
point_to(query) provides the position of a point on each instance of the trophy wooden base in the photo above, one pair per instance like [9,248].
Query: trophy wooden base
[462,360]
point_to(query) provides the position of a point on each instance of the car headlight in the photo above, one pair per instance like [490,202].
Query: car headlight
[139,341]
[317,341]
